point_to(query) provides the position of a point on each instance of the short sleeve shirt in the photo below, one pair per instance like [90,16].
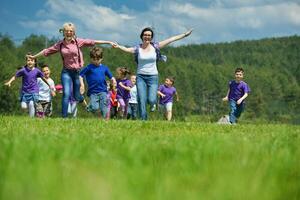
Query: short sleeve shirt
[122,92]
[237,90]
[169,92]
[29,79]
[96,78]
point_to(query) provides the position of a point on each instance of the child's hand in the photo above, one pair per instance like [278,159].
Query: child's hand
[225,99]
[7,84]
[188,33]
[82,89]
[115,45]
[162,95]
[53,93]
[239,101]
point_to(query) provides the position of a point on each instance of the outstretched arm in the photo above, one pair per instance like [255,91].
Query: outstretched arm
[123,48]
[105,42]
[174,38]
[8,83]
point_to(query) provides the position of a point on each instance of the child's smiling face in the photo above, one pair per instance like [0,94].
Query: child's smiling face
[30,62]
[133,79]
[46,72]
[239,76]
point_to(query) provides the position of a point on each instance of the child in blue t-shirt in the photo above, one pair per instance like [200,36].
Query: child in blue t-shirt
[166,92]
[237,93]
[95,74]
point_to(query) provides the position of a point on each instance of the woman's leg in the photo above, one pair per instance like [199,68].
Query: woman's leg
[66,81]
[142,96]
[152,85]
[76,87]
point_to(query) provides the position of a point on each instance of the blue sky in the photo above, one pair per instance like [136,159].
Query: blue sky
[122,20]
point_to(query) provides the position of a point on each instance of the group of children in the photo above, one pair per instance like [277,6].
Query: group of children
[116,98]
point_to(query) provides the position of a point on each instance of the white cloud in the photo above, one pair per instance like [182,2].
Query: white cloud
[219,20]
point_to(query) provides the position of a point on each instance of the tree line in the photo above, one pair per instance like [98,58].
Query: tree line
[201,71]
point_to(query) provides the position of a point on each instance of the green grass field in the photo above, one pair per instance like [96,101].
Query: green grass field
[93,159]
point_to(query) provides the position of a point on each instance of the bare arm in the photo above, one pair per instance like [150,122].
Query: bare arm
[226,97]
[161,94]
[105,42]
[174,38]
[8,83]
[177,96]
[125,87]
[242,98]
[82,90]
[123,48]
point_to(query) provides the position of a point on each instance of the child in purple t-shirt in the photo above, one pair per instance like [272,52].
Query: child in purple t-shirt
[166,92]
[30,89]
[237,93]
[123,90]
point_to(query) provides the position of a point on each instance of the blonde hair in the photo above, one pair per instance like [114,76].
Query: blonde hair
[67,24]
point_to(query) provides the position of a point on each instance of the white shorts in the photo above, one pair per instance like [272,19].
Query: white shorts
[166,107]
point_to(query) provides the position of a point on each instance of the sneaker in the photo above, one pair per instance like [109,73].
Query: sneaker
[153,108]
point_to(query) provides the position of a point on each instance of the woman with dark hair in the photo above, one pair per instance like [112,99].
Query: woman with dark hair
[146,56]
[72,57]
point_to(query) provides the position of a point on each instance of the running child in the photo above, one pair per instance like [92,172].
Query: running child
[30,89]
[123,90]
[44,104]
[237,93]
[95,74]
[113,103]
[166,92]
[133,103]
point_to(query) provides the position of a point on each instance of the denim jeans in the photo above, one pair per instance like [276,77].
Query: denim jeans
[235,111]
[71,86]
[99,101]
[147,86]
[132,111]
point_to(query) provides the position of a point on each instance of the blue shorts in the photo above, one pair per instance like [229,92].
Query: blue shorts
[27,97]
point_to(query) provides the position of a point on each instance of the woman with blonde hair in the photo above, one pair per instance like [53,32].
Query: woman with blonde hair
[70,50]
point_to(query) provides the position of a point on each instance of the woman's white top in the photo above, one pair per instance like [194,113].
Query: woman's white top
[147,62]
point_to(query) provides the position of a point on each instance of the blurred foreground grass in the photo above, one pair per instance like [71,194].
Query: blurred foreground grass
[93,159]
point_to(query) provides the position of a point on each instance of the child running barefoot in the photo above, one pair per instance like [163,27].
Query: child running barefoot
[123,90]
[44,104]
[30,89]
[166,93]
[95,74]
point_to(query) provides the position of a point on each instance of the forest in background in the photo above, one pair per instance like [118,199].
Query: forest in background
[201,71]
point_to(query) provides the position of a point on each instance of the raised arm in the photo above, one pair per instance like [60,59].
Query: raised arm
[8,83]
[174,38]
